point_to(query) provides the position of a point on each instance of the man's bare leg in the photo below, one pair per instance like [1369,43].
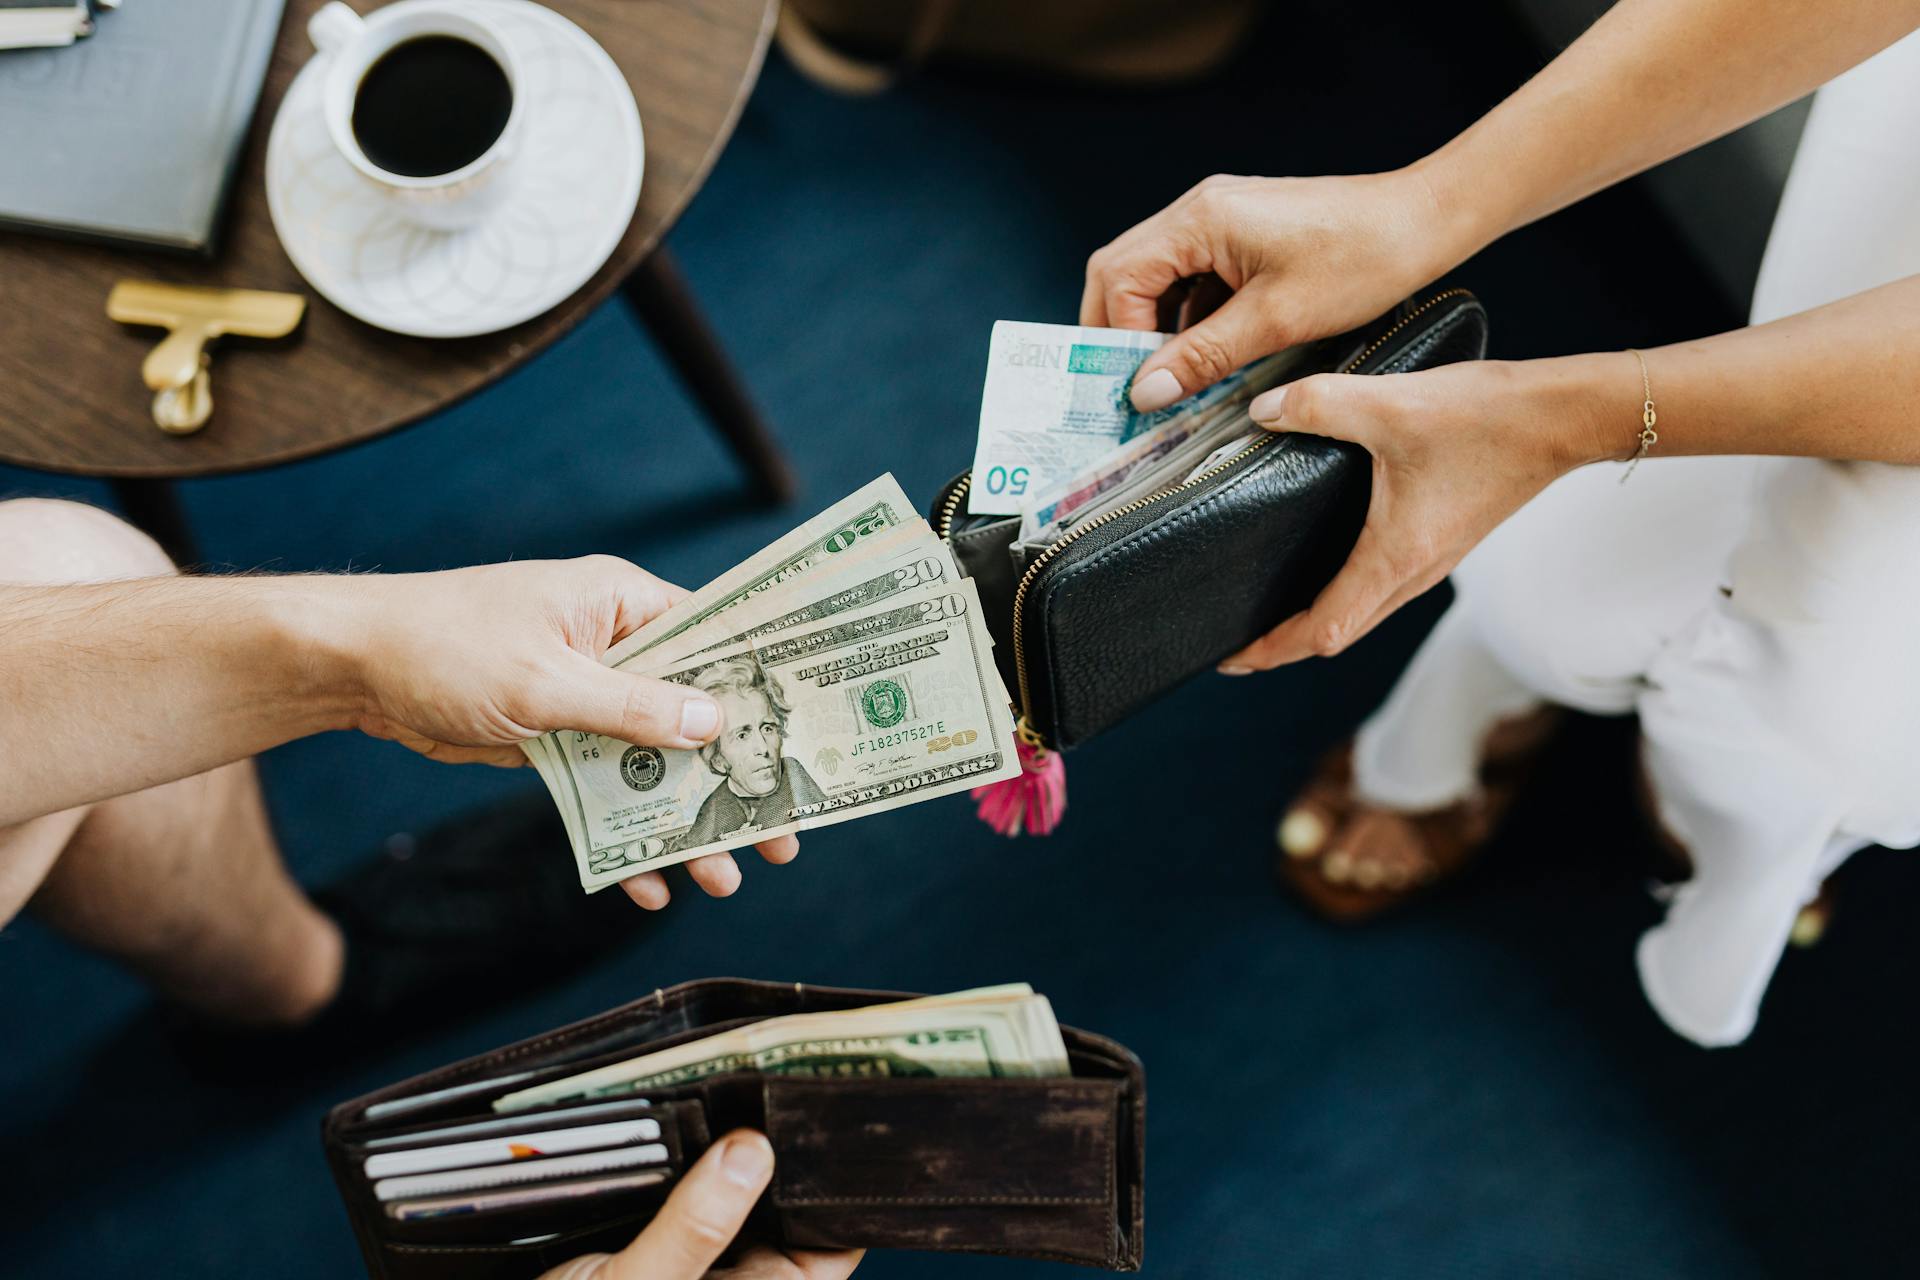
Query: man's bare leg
[184,882]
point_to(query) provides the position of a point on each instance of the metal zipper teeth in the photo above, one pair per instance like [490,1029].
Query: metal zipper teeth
[951,507]
[1025,728]
[1400,324]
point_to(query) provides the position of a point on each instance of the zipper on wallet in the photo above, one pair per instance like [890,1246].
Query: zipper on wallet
[1397,326]
[951,507]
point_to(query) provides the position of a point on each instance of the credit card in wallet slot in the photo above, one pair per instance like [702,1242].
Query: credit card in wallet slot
[518,1197]
[512,1146]
[508,1124]
[486,1177]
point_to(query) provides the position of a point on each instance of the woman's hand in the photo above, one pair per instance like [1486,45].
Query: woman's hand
[1304,257]
[1456,450]
[700,1219]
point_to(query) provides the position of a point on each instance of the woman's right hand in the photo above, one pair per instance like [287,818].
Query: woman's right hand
[1304,258]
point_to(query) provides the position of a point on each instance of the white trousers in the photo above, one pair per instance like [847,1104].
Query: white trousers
[1761,616]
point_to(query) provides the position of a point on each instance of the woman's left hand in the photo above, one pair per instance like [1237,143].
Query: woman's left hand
[1456,450]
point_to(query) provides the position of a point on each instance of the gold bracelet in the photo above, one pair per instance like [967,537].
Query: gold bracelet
[1648,436]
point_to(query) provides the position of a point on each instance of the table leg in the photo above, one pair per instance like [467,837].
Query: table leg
[659,293]
[153,506]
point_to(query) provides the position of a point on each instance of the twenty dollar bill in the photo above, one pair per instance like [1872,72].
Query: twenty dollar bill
[995,1031]
[842,716]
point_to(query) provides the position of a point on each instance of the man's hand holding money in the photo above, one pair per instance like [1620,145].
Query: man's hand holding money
[462,666]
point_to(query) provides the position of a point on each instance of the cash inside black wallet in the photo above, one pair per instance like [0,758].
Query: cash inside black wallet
[1041,1166]
[1094,618]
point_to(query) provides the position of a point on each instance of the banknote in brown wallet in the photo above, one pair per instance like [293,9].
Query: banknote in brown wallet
[1031,1167]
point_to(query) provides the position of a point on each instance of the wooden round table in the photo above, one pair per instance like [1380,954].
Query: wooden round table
[71,397]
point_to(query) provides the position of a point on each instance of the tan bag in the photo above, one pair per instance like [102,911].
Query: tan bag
[863,46]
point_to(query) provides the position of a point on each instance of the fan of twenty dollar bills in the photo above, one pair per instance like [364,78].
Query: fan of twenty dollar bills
[850,659]
[854,674]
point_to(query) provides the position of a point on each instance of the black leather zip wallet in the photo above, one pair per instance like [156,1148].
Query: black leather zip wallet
[1037,1168]
[1092,627]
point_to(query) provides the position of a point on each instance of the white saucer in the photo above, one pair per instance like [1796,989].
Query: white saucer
[576,179]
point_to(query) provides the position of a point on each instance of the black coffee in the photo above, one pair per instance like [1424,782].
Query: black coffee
[430,105]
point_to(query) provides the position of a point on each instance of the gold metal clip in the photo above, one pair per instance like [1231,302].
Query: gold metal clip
[176,371]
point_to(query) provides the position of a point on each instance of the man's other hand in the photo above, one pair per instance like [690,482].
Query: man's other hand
[698,1222]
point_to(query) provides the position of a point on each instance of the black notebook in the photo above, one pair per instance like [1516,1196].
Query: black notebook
[131,134]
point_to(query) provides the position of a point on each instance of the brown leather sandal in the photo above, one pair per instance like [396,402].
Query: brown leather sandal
[1318,836]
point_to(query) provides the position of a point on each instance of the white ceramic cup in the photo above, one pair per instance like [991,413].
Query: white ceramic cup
[352,44]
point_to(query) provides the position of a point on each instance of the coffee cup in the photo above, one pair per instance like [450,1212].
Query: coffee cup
[422,99]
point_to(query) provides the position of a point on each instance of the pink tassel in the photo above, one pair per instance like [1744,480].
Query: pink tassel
[1034,802]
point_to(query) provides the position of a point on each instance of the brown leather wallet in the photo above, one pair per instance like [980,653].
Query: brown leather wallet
[1037,1168]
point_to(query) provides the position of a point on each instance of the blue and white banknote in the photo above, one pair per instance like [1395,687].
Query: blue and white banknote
[1055,401]
[1184,441]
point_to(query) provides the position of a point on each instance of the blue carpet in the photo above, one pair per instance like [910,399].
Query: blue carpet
[1471,1088]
